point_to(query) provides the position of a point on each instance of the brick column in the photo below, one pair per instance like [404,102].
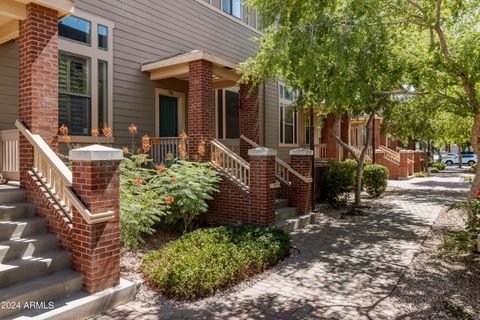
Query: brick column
[300,194]
[96,247]
[332,146]
[249,117]
[418,157]
[380,140]
[411,144]
[262,176]
[38,80]
[346,127]
[200,107]
[404,155]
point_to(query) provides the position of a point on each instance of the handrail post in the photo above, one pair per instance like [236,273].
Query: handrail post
[262,196]
[301,160]
[96,250]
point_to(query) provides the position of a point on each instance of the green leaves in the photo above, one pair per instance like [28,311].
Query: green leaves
[206,260]
[178,193]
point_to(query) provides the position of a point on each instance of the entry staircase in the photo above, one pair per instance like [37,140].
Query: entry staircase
[36,276]
[238,170]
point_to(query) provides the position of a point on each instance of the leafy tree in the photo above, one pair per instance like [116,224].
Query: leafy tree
[440,42]
[338,54]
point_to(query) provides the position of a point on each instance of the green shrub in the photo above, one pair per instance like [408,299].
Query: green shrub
[177,193]
[206,260]
[141,203]
[421,174]
[339,181]
[473,167]
[189,185]
[439,165]
[375,179]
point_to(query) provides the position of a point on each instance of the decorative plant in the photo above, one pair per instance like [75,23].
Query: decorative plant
[375,179]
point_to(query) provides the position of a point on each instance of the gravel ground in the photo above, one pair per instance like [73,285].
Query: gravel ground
[432,281]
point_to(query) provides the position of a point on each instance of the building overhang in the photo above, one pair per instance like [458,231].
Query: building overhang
[224,71]
[13,11]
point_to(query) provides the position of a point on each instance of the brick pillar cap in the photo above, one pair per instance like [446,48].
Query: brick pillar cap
[262,151]
[301,152]
[379,151]
[417,151]
[95,153]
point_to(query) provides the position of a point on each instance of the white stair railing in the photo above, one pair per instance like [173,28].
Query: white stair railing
[368,155]
[391,155]
[161,147]
[57,178]
[282,169]
[230,163]
[9,154]
[320,150]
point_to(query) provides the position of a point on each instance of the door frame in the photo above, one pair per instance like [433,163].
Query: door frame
[224,120]
[181,108]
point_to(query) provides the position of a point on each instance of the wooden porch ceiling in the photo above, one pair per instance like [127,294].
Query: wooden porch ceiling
[224,74]
[13,11]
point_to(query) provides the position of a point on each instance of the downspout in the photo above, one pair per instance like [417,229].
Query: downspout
[264,112]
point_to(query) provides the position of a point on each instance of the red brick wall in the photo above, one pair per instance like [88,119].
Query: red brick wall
[394,170]
[200,107]
[249,117]
[38,80]
[332,146]
[234,205]
[345,134]
[301,192]
[380,140]
[96,247]
[418,157]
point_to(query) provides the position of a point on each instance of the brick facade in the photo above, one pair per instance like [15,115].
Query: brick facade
[38,81]
[249,117]
[345,129]
[332,146]
[200,107]
[96,247]
[419,159]
[301,195]
[234,205]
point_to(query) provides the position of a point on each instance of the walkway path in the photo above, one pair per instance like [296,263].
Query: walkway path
[344,270]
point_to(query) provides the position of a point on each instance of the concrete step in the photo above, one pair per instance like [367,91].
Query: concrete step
[298,222]
[281,203]
[26,247]
[10,230]
[11,194]
[285,213]
[24,269]
[82,305]
[41,291]
[16,211]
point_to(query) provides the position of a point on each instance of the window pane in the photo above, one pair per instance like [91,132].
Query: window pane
[237,8]
[75,113]
[281,124]
[62,73]
[220,113]
[79,75]
[227,6]
[75,28]
[102,37]
[102,94]
[233,115]
[288,133]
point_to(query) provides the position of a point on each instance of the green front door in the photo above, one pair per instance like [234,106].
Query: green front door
[168,116]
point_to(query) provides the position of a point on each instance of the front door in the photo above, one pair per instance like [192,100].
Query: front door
[168,116]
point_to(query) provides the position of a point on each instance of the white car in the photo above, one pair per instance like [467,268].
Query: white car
[467,158]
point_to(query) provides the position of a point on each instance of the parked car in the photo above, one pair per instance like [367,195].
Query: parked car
[452,158]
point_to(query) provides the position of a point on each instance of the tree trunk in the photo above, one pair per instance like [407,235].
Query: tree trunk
[476,147]
[312,147]
[359,159]
[460,160]
[374,156]
[358,186]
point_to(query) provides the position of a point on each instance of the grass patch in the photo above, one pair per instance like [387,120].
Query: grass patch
[206,260]
[459,244]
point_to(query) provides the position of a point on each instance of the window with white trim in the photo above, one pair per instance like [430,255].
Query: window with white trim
[85,73]
[288,118]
